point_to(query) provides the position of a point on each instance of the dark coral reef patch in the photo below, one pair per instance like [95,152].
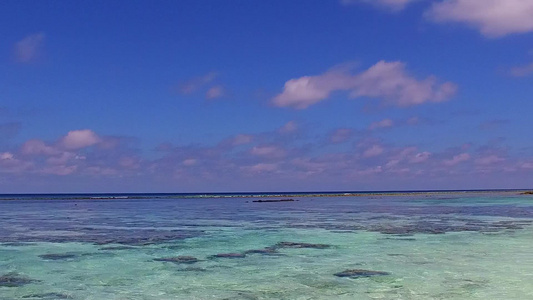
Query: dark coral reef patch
[358,273]
[15,280]
[179,259]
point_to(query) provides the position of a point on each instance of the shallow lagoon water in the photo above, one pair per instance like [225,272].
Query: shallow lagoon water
[432,246]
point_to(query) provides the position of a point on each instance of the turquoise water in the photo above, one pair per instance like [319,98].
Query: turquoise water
[432,246]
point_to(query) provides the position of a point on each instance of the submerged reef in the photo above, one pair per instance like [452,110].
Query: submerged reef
[358,273]
[114,248]
[48,296]
[179,259]
[99,236]
[229,255]
[272,250]
[15,280]
[264,251]
[58,256]
[301,245]
[192,269]
[406,225]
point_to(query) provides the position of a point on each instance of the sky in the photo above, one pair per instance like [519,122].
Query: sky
[239,96]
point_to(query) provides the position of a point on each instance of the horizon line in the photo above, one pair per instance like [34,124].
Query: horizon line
[275,192]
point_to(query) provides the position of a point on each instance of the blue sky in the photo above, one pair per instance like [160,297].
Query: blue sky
[191,96]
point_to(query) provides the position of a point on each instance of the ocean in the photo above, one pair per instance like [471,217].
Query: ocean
[388,245]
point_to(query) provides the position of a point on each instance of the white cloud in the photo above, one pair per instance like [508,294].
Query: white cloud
[268,151]
[411,155]
[420,157]
[6,156]
[38,147]
[373,151]
[78,139]
[60,170]
[388,81]
[394,5]
[29,48]
[489,160]
[305,91]
[459,158]
[10,164]
[262,167]
[62,157]
[130,162]
[493,18]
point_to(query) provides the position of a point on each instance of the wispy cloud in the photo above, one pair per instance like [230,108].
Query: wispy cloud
[206,84]
[457,159]
[194,84]
[261,168]
[242,139]
[29,48]
[268,151]
[381,124]
[289,127]
[392,5]
[489,160]
[420,157]
[493,18]
[493,124]
[522,71]
[389,123]
[387,81]
[374,150]
[214,92]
